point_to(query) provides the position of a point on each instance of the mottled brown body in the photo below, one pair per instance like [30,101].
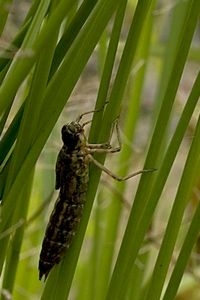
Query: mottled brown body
[72,180]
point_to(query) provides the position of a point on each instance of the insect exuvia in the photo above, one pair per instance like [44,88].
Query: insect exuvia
[72,180]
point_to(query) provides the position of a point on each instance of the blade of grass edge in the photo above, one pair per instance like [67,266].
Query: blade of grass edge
[184,255]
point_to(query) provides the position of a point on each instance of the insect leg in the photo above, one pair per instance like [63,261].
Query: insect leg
[116,177]
[106,147]
[118,148]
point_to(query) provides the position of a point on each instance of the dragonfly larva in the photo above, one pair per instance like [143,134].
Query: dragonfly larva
[72,181]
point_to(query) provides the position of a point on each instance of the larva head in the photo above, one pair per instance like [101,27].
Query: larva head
[73,135]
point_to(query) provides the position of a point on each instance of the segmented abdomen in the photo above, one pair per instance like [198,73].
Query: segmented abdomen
[72,179]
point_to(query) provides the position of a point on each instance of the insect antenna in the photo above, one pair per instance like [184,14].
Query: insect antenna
[90,112]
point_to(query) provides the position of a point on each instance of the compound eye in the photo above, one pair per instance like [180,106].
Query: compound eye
[64,129]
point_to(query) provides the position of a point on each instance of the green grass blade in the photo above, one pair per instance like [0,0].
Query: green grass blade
[71,32]
[99,274]
[184,191]
[19,68]
[12,259]
[184,255]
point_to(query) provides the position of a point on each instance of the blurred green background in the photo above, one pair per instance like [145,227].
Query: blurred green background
[143,58]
